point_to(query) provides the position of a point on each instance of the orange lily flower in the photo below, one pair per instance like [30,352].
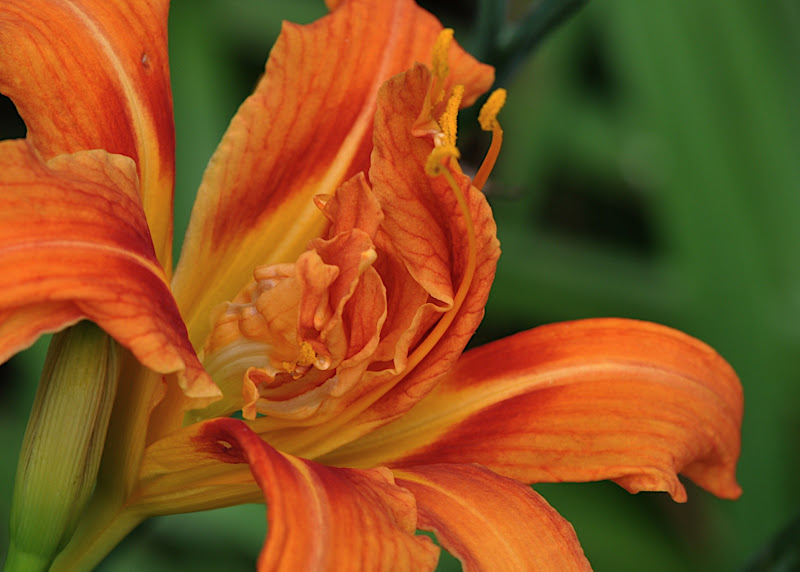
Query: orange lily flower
[335,266]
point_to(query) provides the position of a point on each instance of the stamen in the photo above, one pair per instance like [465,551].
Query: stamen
[449,119]
[439,64]
[488,120]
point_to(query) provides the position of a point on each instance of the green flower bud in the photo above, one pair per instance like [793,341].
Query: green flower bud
[63,444]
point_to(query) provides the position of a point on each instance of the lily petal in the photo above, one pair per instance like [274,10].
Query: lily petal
[284,146]
[324,518]
[491,522]
[74,244]
[423,215]
[93,74]
[615,399]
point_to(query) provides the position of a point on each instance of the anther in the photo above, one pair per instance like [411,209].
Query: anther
[439,64]
[300,366]
[488,120]
[440,49]
[449,119]
[488,114]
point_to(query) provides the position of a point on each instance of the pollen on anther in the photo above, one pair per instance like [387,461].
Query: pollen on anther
[440,49]
[449,119]
[488,120]
[488,114]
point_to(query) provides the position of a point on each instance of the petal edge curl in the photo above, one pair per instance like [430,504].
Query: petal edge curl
[73,238]
[597,399]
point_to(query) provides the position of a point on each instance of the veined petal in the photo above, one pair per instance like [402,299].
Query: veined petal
[74,244]
[615,399]
[286,145]
[93,74]
[491,522]
[423,254]
[431,250]
[324,518]
[423,215]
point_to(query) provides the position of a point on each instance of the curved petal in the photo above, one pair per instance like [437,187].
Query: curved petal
[491,522]
[425,222]
[423,215]
[74,244]
[305,130]
[615,399]
[324,518]
[93,74]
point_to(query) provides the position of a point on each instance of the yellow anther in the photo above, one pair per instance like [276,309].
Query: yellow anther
[440,49]
[449,119]
[305,359]
[307,355]
[488,120]
[435,165]
[488,115]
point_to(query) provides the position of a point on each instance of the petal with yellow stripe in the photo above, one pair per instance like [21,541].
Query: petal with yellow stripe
[596,399]
[306,130]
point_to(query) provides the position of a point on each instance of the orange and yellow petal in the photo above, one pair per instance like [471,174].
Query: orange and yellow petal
[74,244]
[324,518]
[491,522]
[305,130]
[615,399]
[93,74]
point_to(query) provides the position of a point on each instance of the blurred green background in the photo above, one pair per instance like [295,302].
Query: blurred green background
[648,171]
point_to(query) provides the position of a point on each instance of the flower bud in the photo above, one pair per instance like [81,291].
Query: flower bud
[63,444]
